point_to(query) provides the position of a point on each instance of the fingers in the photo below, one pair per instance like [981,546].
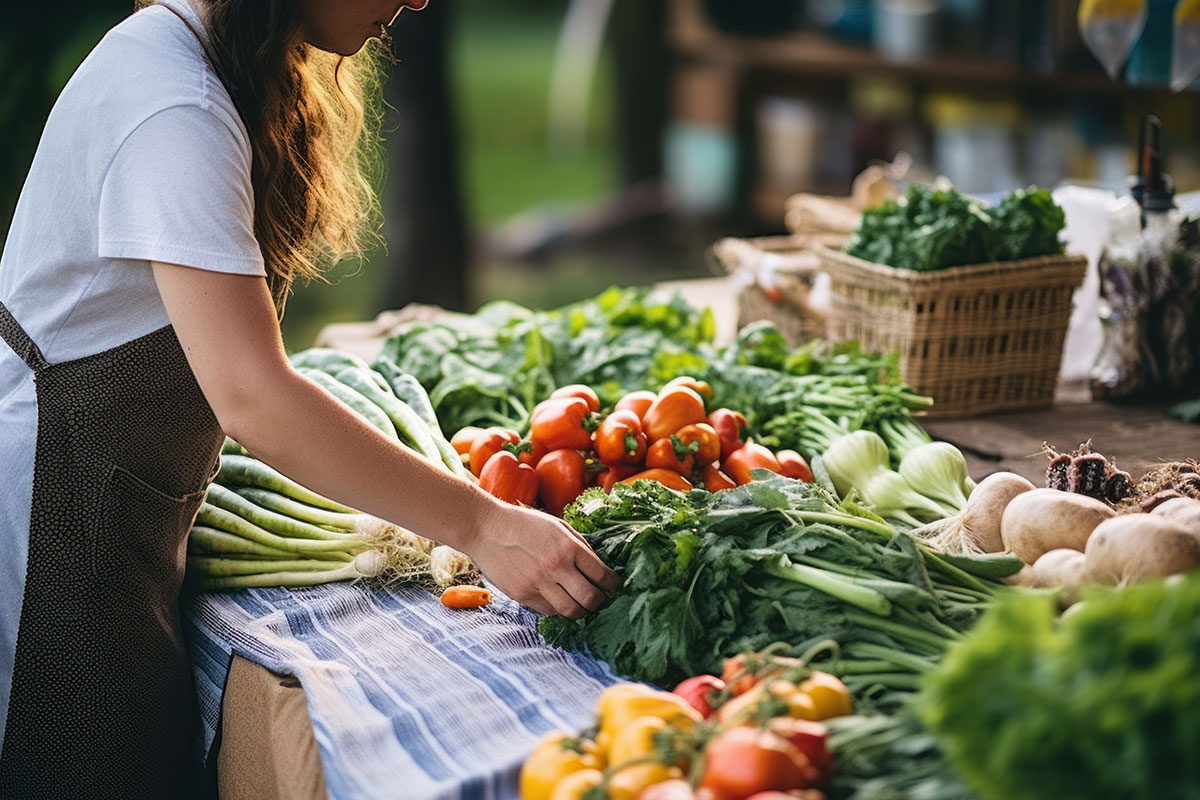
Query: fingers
[595,570]
[563,602]
[582,591]
[540,606]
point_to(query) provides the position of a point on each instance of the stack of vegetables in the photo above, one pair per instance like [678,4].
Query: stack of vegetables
[708,576]
[259,528]
[667,437]
[491,368]
[757,735]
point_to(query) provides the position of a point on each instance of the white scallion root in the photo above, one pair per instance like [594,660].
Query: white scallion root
[450,567]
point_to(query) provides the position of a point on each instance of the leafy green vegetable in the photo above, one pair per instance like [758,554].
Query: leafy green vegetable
[1101,703]
[492,367]
[935,228]
[889,758]
[707,576]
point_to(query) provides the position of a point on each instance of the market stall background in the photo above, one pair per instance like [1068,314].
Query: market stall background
[520,171]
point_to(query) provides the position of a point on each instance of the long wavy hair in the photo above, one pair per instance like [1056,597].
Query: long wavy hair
[313,121]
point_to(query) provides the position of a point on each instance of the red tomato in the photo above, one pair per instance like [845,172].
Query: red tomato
[672,410]
[699,387]
[743,761]
[578,390]
[749,457]
[715,480]
[562,477]
[708,445]
[509,479]
[794,465]
[731,428]
[638,402]
[698,690]
[617,473]
[563,424]
[487,444]
[533,453]
[810,738]
[667,477]
[731,668]
[462,441]
[620,439]
[670,454]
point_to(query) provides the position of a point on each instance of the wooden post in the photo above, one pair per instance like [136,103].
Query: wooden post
[426,226]
[641,64]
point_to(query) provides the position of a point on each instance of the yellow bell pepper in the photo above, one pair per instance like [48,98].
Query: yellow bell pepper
[620,705]
[830,695]
[632,781]
[635,740]
[576,785]
[556,756]
[799,704]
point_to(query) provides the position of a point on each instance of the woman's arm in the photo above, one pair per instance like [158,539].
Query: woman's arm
[228,330]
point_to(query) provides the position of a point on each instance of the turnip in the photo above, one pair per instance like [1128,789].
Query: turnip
[1047,519]
[1183,511]
[1138,547]
[1061,568]
[977,528]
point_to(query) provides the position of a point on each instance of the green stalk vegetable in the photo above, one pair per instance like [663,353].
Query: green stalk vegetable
[246,471]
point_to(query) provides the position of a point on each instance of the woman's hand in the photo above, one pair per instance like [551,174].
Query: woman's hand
[539,561]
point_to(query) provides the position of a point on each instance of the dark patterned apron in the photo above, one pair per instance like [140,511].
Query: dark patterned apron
[103,704]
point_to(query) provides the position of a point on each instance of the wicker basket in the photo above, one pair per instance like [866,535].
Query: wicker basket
[977,339]
[787,266]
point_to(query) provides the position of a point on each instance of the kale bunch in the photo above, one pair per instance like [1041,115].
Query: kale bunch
[935,228]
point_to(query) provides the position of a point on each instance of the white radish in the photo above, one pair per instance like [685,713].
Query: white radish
[1182,510]
[1047,519]
[1061,568]
[1139,547]
[977,528]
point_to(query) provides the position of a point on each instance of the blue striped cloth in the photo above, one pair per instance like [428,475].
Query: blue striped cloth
[408,699]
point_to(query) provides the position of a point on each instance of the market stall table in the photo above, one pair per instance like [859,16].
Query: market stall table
[407,699]
[377,694]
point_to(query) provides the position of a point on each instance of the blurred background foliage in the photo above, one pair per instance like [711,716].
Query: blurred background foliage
[701,118]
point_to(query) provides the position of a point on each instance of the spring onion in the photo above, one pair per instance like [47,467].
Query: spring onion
[859,462]
[937,470]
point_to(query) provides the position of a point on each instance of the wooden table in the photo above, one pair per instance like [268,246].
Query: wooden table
[1135,438]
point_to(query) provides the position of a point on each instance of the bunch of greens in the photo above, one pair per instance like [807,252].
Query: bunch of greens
[935,228]
[889,758]
[707,576]
[805,398]
[1100,703]
[491,367]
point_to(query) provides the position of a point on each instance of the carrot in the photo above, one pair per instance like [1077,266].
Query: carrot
[466,597]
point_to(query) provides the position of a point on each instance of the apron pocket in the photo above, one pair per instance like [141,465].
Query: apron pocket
[141,543]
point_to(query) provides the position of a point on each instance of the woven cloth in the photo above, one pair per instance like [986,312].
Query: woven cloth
[408,699]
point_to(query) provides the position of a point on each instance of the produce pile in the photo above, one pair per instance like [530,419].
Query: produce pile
[1090,525]
[707,576]
[491,368]
[666,437]
[258,528]
[754,732]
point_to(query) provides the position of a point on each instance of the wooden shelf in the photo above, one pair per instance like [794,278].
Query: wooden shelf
[814,54]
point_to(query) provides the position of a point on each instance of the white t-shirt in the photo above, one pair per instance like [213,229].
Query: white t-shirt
[143,158]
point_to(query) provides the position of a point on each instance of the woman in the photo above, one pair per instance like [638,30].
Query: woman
[205,154]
